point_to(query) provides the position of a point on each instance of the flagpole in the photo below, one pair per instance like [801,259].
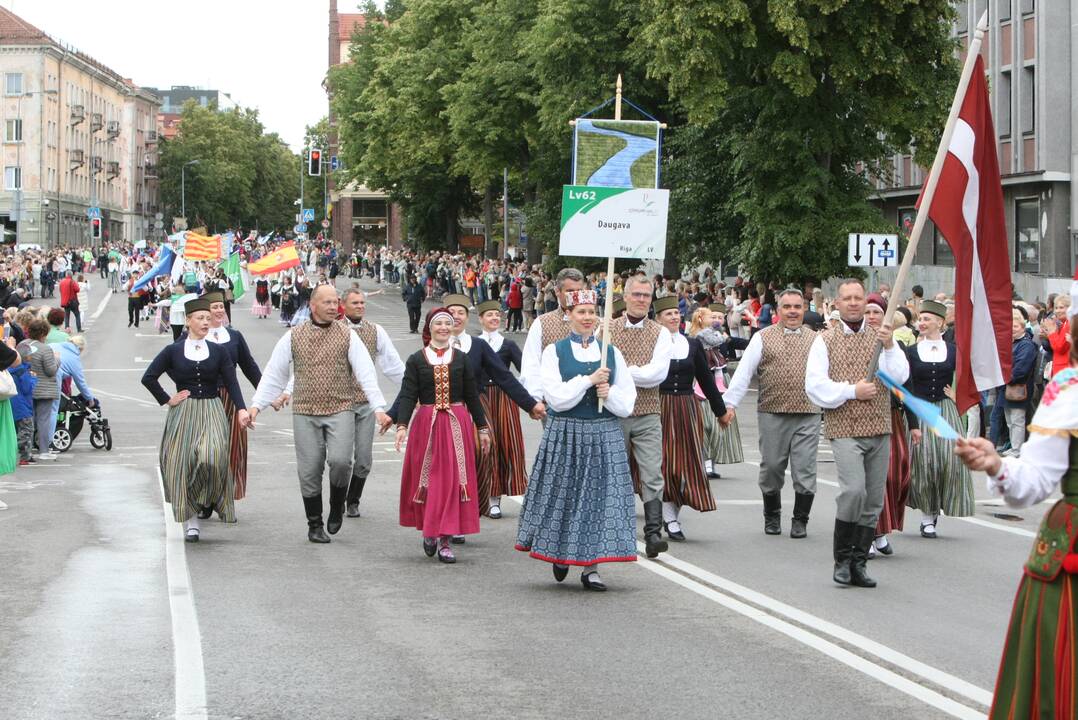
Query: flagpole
[933,180]
[608,307]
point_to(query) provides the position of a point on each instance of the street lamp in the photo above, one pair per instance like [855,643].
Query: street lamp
[183,187]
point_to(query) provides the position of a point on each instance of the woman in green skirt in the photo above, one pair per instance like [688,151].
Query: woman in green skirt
[1039,670]
[722,446]
[195,446]
[939,482]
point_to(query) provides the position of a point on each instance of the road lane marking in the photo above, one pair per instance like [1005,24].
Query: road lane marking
[186,637]
[114,370]
[101,306]
[117,396]
[996,526]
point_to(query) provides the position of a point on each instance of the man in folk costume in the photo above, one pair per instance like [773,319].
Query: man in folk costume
[646,347]
[789,422]
[329,361]
[857,414]
[382,351]
[548,329]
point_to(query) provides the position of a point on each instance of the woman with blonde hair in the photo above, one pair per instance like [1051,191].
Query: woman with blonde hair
[722,446]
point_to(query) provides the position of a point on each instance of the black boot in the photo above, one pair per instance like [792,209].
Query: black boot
[860,542]
[336,508]
[802,506]
[773,513]
[653,523]
[313,506]
[843,548]
[355,492]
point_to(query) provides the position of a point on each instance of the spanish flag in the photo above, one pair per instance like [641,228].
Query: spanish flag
[200,247]
[277,260]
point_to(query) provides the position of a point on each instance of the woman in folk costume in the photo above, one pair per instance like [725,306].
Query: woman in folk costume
[438,408]
[232,341]
[509,474]
[722,445]
[194,448]
[261,306]
[1038,674]
[579,508]
[938,481]
[683,429]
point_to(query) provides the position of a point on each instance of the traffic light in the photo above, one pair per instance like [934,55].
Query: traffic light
[314,162]
[95,229]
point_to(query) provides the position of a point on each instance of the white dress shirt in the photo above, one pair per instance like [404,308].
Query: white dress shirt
[1034,475]
[276,376]
[746,368]
[531,359]
[561,396]
[195,350]
[462,341]
[656,370]
[829,394]
[385,354]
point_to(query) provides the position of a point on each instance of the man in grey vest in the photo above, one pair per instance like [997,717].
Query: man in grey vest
[789,423]
[857,419]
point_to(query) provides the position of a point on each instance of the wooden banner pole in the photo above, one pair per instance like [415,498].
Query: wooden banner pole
[608,311]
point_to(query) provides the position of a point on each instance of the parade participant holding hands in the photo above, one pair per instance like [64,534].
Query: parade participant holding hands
[549,328]
[439,401]
[582,456]
[194,449]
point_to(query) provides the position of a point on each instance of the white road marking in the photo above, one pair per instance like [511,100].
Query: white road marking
[163,336]
[3,505]
[115,396]
[140,360]
[996,526]
[186,636]
[114,370]
[101,306]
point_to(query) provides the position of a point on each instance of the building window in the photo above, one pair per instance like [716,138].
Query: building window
[962,21]
[1028,113]
[1003,112]
[941,251]
[13,131]
[1028,6]
[1003,9]
[13,178]
[13,83]
[1027,241]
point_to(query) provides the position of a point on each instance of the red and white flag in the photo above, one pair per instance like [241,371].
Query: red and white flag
[968,210]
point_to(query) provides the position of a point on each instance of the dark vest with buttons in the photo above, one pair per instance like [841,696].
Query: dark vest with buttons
[928,379]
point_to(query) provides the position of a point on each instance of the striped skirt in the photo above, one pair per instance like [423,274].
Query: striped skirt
[510,476]
[938,479]
[683,460]
[721,445]
[484,462]
[897,490]
[237,449]
[194,459]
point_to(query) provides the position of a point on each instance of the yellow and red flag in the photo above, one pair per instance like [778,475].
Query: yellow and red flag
[277,260]
[200,247]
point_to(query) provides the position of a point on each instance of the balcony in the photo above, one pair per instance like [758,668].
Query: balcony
[151,137]
[151,171]
[78,114]
[77,157]
[113,129]
[114,170]
[96,122]
[96,163]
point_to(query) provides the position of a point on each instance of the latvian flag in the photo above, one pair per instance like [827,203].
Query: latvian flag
[968,209]
[200,247]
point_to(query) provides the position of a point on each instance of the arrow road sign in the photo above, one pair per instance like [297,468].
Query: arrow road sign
[308,215]
[876,251]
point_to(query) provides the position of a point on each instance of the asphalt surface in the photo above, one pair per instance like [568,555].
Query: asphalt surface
[96,621]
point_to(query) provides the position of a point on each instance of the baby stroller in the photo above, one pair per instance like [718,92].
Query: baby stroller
[74,414]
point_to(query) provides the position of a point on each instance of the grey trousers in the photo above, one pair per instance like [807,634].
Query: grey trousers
[788,439]
[363,456]
[862,477]
[321,439]
[45,429]
[1016,426]
[644,441]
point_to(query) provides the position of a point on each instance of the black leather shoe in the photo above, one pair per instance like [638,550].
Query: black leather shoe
[204,513]
[317,534]
[862,540]
[430,546]
[712,475]
[560,571]
[886,549]
[591,581]
[799,523]
[843,549]
[352,509]
[457,539]
[676,536]
[773,513]
[653,523]
[336,509]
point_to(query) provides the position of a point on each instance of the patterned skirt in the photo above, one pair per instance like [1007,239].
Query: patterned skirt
[510,476]
[484,467]
[194,459]
[938,479]
[1039,671]
[237,449]
[683,460]
[436,498]
[898,477]
[721,445]
[579,508]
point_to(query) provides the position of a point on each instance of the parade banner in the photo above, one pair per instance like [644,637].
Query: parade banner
[614,222]
[616,153]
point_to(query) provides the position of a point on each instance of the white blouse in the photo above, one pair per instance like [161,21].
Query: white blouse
[433,359]
[1034,475]
[562,396]
[932,351]
[494,339]
[680,350]
[195,350]
[218,335]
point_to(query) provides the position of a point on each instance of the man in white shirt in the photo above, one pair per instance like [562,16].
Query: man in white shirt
[329,360]
[789,423]
[857,414]
[547,329]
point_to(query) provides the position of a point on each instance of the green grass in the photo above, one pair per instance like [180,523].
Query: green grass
[643,128]
[643,171]
[600,148]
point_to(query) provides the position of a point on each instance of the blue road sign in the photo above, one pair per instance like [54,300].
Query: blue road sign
[301,228]
[308,215]
[93,213]
[334,163]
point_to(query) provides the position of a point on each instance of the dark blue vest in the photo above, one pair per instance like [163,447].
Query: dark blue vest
[570,367]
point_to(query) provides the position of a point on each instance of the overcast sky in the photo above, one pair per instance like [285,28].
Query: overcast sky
[268,55]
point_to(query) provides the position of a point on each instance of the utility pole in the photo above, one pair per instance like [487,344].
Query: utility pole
[505,211]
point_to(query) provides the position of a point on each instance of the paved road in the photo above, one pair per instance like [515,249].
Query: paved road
[105,613]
